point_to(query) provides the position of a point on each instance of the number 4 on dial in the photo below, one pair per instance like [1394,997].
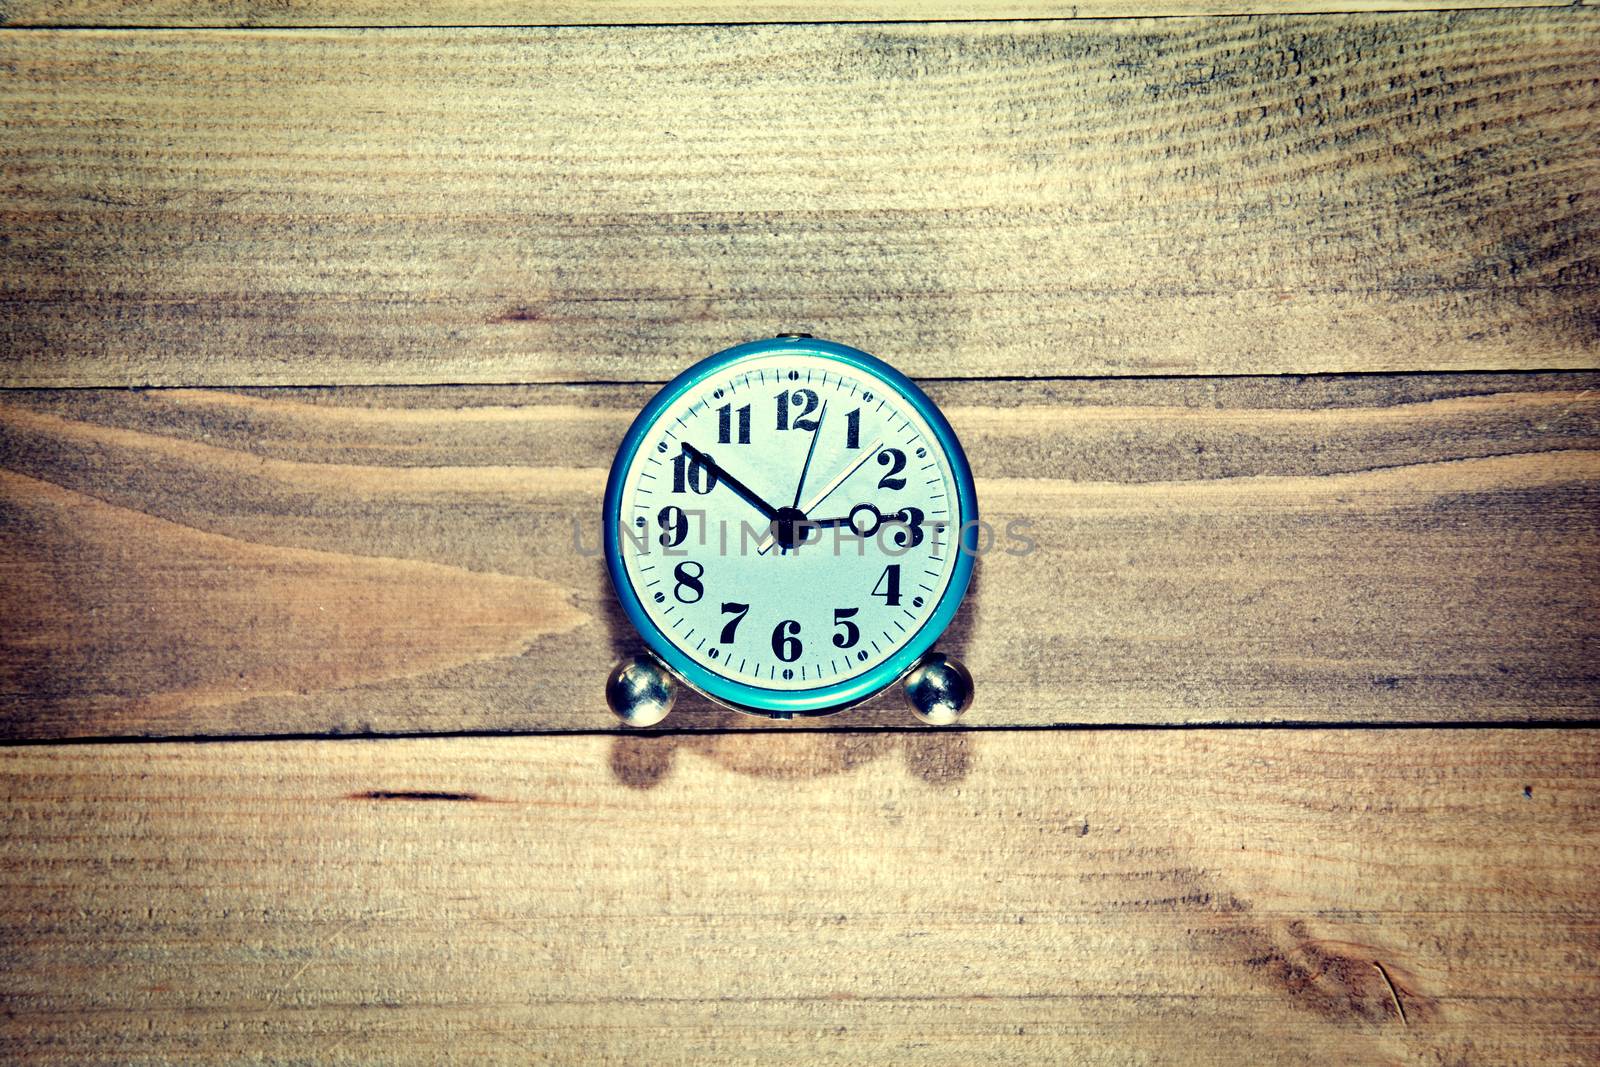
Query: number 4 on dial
[888,585]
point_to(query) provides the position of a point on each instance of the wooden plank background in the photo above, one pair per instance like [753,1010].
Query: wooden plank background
[1403,549]
[1280,332]
[1307,194]
[255,13]
[927,898]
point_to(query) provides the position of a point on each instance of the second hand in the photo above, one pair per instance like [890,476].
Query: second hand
[816,432]
[827,490]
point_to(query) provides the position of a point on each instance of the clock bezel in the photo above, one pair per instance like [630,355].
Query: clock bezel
[835,697]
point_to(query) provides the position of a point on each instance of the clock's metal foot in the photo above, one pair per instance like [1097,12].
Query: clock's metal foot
[939,690]
[641,691]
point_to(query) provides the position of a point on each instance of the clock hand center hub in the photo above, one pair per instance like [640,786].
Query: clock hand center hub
[790,527]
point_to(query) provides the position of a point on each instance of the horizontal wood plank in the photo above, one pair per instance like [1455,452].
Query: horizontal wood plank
[262,13]
[1369,549]
[1330,193]
[959,898]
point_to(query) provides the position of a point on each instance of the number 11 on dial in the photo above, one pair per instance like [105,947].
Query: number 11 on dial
[790,526]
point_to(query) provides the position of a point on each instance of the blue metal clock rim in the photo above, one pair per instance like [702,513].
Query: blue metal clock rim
[822,700]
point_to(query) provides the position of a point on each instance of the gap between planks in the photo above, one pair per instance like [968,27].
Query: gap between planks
[921,379]
[779,728]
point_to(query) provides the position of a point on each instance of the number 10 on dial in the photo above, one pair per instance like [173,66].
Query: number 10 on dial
[789,525]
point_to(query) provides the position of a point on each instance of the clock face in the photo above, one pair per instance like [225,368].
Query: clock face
[787,525]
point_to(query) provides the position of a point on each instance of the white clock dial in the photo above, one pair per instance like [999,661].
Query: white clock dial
[789,436]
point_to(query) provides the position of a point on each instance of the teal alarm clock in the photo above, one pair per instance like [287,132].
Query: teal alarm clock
[790,525]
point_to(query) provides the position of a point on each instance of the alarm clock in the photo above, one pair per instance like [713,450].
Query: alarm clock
[790,525]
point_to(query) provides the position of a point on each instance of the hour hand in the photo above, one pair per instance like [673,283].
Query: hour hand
[863,520]
[730,481]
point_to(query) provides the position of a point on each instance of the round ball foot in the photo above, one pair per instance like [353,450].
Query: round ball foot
[939,690]
[640,691]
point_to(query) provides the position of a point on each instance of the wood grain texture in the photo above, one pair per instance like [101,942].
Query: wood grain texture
[1414,548]
[1196,897]
[1329,193]
[258,13]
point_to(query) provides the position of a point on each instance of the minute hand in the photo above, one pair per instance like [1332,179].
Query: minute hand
[730,481]
[827,490]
